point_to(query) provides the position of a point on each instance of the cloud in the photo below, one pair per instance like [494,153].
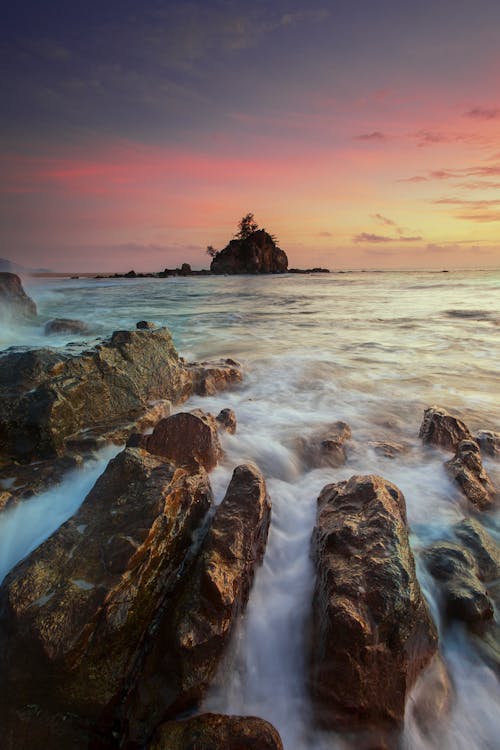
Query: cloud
[431,138]
[325,234]
[376,238]
[468,203]
[480,216]
[483,113]
[376,135]
[415,178]
[383,220]
[481,170]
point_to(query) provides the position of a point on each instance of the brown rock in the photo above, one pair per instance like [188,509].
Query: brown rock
[28,480]
[442,429]
[257,253]
[210,377]
[14,300]
[467,470]
[77,613]
[325,447]
[66,325]
[217,732]
[480,544]
[432,697]
[226,420]
[389,449]
[187,439]
[489,442]
[193,639]
[371,633]
[145,325]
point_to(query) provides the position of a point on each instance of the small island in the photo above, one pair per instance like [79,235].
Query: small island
[252,250]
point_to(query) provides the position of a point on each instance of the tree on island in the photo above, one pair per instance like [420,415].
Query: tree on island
[247,226]
[212,251]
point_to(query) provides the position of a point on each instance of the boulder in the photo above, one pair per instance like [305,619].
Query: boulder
[372,633]
[256,253]
[489,442]
[326,447]
[66,325]
[192,640]
[145,325]
[442,429]
[213,376]
[466,468]
[217,732]
[48,395]
[187,439]
[14,301]
[389,449]
[77,614]
[480,544]
[226,420]
[456,571]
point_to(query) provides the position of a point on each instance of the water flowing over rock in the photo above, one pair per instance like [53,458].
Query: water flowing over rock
[14,301]
[217,732]
[187,439]
[256,253]
[213,376]
[489,442]
[66,325]
[467,470]
[191,642]
[442,429]
[486,552]
[75,614]
[326,447]
[372,633]
[226,420]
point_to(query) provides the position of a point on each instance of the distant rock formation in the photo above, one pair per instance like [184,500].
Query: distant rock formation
[256,253]
[13,298]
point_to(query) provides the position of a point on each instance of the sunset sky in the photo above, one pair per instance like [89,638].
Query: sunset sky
[363,134]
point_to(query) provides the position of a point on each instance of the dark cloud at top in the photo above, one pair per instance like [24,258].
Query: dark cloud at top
[484,113]
[375,135]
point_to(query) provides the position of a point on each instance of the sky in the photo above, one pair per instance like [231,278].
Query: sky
[363,134]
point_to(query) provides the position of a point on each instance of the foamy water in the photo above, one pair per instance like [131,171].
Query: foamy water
[371,349]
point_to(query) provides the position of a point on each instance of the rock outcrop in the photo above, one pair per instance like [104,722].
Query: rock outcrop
[216,375]
[14,302]
[66,325]
[372,633]
[326,447]
[226,420]
[442,429]
[489,442]
[467,470]
[256,253]
[477,540]
[217,732]
[75,614]
[191,642]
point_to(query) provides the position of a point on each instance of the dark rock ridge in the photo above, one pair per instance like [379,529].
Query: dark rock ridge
[372,633]
[190,643]
[256,253]
[442,429]
[14,301]
[217,732]
[467,470]
[66,325]
[74,615]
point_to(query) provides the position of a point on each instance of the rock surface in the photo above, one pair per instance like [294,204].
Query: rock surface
[14,302]
[187,439]
[226,419]
[192,641]
[489,442]
[467,470]
[371,632]
[442,429]
[481,545]
[210,377]
[257,253]
[217,732]
[326,447]
[142,325]
[75,614]
[66,325]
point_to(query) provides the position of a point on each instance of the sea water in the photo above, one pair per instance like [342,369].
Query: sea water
[372,349]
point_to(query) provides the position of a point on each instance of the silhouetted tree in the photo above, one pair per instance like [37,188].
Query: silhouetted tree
[211,251]
[247,225]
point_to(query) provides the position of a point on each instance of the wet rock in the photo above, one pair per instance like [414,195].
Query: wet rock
[187,439]
[28,480]
[325,447]
[210,377]
[78,612]
[489,442]
[226,420]
[481,545]
[217,732]
[442,429]
[145,325]
[466,468]
[66,325]
[193,639]
[14,302]
[432,697]
[257,253]
[372,633]
[48,395]
[456,571]
[389,449]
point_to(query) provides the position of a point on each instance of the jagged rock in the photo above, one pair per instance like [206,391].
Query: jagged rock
[257,253]
[191,641]
[213,376]
[13,299]
[455,568]
[28,480]
[66,325]
[49,395]
[145,325]
[371,632]
[489,442]
[442,429]
[325,447]
[77,613]
[217,732]
[226,419]
[484,549]
[187,439]
[467,470]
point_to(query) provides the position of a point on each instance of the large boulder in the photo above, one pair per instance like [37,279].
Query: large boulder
[77,614]
[466,468]
[256,253]
[192,640]
[372,633]
[217,732]
[215,375]
[48,395]
[66,325]
[440,428]
[14,302]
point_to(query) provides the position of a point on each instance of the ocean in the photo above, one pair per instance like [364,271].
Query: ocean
[371,349]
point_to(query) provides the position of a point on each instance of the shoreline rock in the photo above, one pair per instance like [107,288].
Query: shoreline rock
[440,428]
[466,468]
[217,732]
[256,253]
[13,299]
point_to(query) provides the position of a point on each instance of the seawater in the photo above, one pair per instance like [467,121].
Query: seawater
[372,349]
